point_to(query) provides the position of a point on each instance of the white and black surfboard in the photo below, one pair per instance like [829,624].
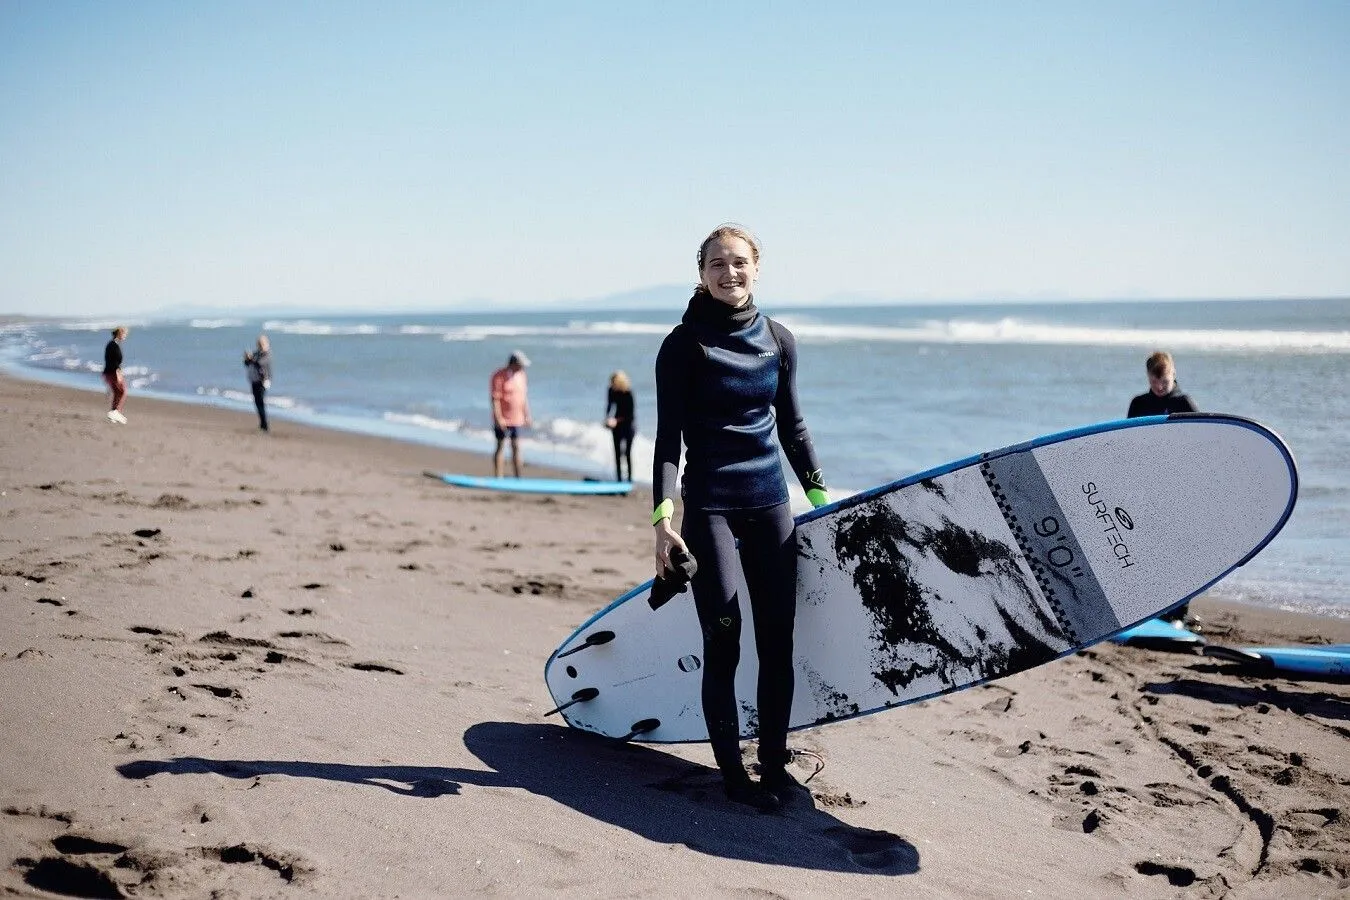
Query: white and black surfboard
[956,576]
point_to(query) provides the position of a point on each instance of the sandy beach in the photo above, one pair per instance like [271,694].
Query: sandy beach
[237,664]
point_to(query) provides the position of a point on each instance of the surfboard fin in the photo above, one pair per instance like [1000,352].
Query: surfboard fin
[593,639]
[1241,657]
[641,727]
[580,696]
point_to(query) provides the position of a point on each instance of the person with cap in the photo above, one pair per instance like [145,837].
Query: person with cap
[510,409]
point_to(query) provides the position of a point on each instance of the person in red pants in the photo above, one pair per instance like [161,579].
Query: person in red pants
[112,375]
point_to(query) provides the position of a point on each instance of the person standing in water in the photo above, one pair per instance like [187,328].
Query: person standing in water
[726,385]
[507,392]
[620,420]
[259,367]
[1163,397]
[112,374]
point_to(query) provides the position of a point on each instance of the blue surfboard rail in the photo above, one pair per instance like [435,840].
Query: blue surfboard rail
[534,485]
[1159,633]
[1046,440]
[1320,660]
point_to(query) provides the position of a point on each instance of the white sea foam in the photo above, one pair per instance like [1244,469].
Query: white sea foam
[311,327]
[217,323]
[274,401]
[421,421]
[1017,331]
[101,325]
[573,329]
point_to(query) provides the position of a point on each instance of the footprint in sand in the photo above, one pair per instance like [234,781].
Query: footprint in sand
[537,587]
[90,874]
[58,875]
[1177,876]
[244,854]
[374,667]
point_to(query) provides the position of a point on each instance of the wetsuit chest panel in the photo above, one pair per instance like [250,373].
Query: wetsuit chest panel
[732,459]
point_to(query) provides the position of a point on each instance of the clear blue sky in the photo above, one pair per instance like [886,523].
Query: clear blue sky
[337,154]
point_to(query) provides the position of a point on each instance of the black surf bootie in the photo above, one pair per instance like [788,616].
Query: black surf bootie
[740,789]
[779,781]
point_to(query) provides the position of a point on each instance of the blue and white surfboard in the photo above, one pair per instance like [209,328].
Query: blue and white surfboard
[960,575]
[534,485]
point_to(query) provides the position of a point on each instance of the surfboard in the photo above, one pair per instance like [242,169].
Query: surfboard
[1322,660]
[1159,634]
[534,485]
[959,575]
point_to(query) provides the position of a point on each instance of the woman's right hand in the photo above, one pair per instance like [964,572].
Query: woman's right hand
[666,540]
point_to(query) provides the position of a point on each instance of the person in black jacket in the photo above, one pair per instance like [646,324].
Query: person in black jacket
[726,386]
[1163,396]
[620,420]
[258,364]
[112,375]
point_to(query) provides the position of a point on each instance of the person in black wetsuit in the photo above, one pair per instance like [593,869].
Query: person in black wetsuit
[621,422]
[726,384]
[1162,398]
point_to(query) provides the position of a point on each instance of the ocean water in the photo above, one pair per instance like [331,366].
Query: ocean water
[888,390]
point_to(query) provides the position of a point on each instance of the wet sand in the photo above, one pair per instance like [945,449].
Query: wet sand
[235,664]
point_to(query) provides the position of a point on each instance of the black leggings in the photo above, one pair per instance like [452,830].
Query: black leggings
[768,557]
[623,452]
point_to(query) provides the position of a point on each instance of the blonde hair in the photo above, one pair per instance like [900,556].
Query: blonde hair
[619,381]
[728,229]
[264,343]
[1160,363]
[119,332]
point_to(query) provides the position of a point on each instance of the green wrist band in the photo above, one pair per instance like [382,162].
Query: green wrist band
[665,510]
[818,497]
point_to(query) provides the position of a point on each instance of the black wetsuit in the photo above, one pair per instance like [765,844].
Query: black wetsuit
[619,406]
[1150,404]
[725,383]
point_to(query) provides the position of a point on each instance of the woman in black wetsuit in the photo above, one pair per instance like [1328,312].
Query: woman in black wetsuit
[726,384]
[620,420]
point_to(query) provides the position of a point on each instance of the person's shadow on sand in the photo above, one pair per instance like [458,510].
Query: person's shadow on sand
[631,786]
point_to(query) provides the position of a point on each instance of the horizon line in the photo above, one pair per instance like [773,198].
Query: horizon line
[599,304]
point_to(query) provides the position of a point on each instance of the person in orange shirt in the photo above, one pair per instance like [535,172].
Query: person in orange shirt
[510,409]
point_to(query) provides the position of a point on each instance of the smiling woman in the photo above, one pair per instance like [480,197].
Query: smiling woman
[725,384]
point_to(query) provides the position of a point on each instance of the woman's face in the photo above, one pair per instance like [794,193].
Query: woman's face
[729,270]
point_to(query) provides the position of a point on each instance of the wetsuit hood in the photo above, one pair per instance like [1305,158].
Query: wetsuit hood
[706,310]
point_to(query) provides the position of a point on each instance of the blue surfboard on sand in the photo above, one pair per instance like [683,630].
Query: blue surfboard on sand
[1159,634]
[533,485]
[1323,660]
[957,576]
